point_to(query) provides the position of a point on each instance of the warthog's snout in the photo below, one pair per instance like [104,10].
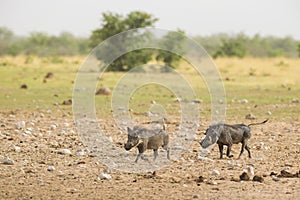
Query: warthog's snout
[127,146]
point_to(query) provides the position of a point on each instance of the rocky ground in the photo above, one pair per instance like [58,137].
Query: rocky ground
[42,157]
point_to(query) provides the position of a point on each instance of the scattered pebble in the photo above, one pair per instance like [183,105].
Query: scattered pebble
[243,101]
[7,161]
[104,176]
[177,100]
[103,91]
[258,179]
[49,75]
[20,125]
[200,179]
[24,86]
[287,174]
[17,149]
[80,152]
[244,177]
[64,151]
[295,100]
[249,170]
[215,172]
[275,178]
[67,102]
[53,127]
[198,101]
[250,116]
[210,182]
[50,168]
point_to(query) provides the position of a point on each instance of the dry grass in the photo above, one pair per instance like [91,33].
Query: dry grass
[269,84]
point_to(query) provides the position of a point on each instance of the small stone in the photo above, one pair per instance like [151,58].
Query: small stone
[195,196]
[104,176]
[72,190]
[235,179]
[66,124]
[273,174]
[275,178]
[53,127]
[50,168]
[67,102]
[243,101]
[215,172]
[17,149]
[62,132]
[49,75]
[153,102]
[177,100]
[64,151]
[285,174]
[104,91]
[198,101]
[250,116]
[200,179]
[20,125]
[24,86]
[210,182]
[7,161]
[269,113]
[250,170]
[80,152]
[258,179]
[244,177]
[295,100]
[175,179]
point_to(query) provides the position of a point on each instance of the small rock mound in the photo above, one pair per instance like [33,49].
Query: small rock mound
[24,86]
[49,75]
[67,102]
[258,179]
[250,116]
[244,177]
[103,91]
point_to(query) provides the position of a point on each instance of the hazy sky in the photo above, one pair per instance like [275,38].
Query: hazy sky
[196,17]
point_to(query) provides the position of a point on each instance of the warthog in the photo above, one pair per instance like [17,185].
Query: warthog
[225,134]
[143,139]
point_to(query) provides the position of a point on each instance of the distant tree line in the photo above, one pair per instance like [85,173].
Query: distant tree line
[218,45]
[241,45]
[42,44]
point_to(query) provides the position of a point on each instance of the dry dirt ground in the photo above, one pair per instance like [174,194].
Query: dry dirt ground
[33,148]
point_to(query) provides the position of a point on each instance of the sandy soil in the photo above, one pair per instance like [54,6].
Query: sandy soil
[35,146]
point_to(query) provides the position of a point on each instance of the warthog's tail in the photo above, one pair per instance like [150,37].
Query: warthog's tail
[258,123]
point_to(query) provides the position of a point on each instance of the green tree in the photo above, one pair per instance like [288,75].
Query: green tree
[172,41]
[298,50]
[231,48]
[6,38]
[113,24]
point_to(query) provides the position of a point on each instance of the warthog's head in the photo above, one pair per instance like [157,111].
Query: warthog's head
[133,139]
[212,135]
